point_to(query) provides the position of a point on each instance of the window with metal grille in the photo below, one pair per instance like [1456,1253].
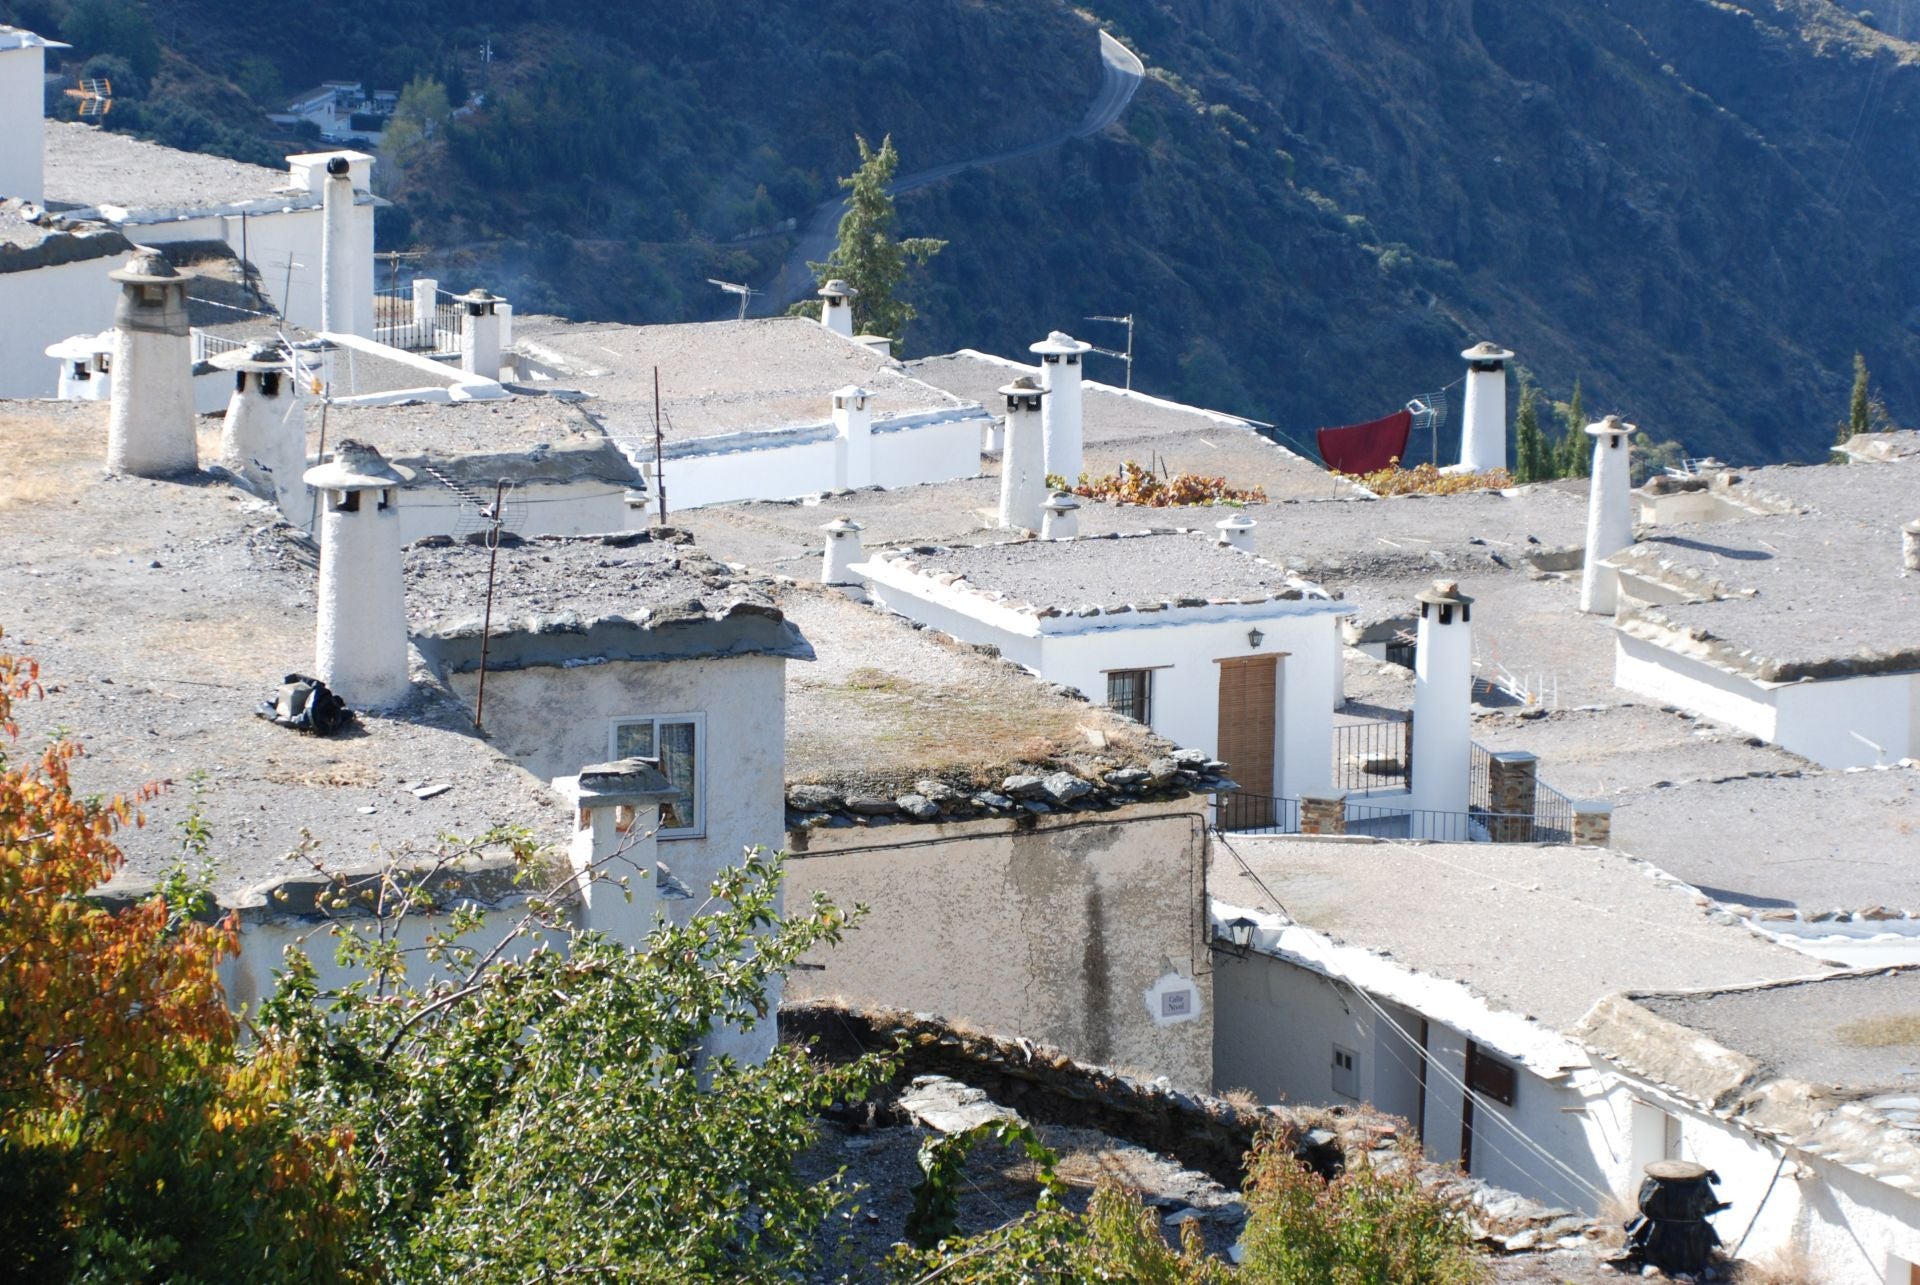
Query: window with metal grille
[1130,692]
[678,742]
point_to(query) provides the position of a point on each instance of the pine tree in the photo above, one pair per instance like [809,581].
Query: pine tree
[1533,462]
[1576,448]
[868,258]
[1860,407]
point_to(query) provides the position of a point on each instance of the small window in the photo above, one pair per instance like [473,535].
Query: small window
[1346,1072]
[678,741]
[1130,692]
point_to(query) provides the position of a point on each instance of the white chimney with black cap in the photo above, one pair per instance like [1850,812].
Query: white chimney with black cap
[150,416]
[360,644]
[264,436]
[1483,420]
[836,307]
[853,437]
[342,275]
[1442,698]
[1023,471]
[480,322]
[1609,513]
[615,850]
[1060,371]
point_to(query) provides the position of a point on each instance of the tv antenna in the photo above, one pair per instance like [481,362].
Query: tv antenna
[1126,356]
[734,287]
[392,259]
[95,95]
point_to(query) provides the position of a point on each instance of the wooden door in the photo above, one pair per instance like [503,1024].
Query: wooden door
[1248,686]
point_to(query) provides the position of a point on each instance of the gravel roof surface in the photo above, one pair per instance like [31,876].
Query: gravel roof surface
[161,614]
[1598,753]
[1136,568]
[784,535]
[1119,427]
[1822,841]
[520,438]
[360,374]
[29,242]
[90,167]
[886,705]
[723,376]
[1793,590]
[1544,931]
[1843,1034]
[581,576]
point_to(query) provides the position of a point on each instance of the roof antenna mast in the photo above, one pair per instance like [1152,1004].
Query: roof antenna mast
[1126,356]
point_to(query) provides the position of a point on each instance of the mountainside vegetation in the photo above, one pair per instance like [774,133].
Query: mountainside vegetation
[1700,210]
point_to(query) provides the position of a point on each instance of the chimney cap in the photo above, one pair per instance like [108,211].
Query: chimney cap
[1443,593]
[1061,502]
[844,525]
[1612,426]
[356,466]
[1913,527]
[1235,522]
[1025,386]
[1059,343]
[257,357]
[624,781]
[1484,351]
[146,267]
[837,289]
[852,390]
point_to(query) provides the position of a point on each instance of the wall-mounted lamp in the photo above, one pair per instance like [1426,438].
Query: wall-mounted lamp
[1255,637]
[1237,936]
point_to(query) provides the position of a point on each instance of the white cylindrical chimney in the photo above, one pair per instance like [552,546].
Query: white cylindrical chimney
[85,367]
[23,130]
[1910,545]
[1061,517]
[1442,699]
[360,646]
[1483,422]
[339,269]
[853,436]
[264,436]
[1236,531]
[836,307]
[1023,472]
[615,846]
[426,298]
[843,550]
[480,333]
[1609,514]
[150,430]
[1060,370]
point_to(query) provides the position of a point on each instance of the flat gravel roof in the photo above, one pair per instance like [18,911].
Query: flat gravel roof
[88,166]
[525,439]
[1102,570]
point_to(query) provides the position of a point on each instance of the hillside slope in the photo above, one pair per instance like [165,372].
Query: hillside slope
[1700,208]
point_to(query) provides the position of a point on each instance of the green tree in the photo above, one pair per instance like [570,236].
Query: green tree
[422,115]
[1860,404]
[868,257]
[1533,460]
[115,27]
[1576,448]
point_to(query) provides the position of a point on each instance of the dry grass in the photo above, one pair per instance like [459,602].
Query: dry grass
[49,457]
[1789,1266]
[1898,1030]
[1242,1098]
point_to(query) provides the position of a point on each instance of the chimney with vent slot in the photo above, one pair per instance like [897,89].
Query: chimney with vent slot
[264,436]
[1060,369]
[614,852]
[1483,421]
[360,645]
[1023,474]
[836,307]
[1609,514]
[843,550]
[853,437]
[1236,532]
[1061,520]
[150,417]
[480,332]
[1442,698]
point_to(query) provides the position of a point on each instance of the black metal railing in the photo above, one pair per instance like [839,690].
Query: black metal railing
[1479,777]
[1372,756]
[399,324]
[1244,813]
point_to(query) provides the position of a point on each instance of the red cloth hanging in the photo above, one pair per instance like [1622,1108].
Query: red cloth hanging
[1363,448]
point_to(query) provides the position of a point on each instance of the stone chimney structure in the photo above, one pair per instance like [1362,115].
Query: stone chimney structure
[1060,518]
[1442,698]
[23,129]
[1910,545]
[1060,370]
[1483,421]
[264,436]
[150,418]
[615,851]
[1023,474]
[853,437]
[1609,514]
[360,646]
[1236,532]
[480,322]
[836,307]
[843,550]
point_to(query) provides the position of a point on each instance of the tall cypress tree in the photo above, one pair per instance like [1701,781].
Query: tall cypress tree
[1576,448]
[1533,461]
[1860,406]
[868,257]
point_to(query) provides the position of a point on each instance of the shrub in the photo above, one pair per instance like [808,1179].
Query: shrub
[1135,485]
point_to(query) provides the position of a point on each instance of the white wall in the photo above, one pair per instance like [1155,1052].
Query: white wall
[45,305]
[589,507]
[1654,671]
[939,452]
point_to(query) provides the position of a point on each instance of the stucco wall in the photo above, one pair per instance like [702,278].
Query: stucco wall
[589,507]
[1053,930]
[1640,666]
[44,306]
[936,452]
[933,453]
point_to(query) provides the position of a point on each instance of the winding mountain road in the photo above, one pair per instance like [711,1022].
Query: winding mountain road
[1120,74]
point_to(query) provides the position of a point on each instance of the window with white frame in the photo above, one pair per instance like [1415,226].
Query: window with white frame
[679,742]
[1130,692]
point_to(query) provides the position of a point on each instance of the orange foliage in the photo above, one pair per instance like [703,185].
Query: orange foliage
[119,1060]
[1135,485]
[1428,480]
